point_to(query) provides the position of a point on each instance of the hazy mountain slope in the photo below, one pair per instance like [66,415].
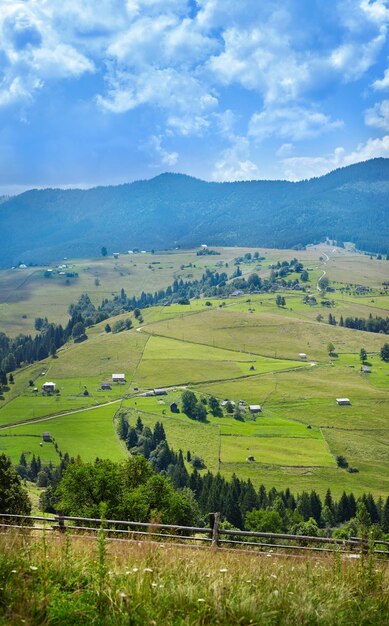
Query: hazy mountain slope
[172,209]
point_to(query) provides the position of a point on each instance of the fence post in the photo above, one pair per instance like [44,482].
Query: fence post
[214,519]
[61,524]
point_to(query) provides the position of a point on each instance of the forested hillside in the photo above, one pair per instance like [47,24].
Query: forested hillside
[350,204]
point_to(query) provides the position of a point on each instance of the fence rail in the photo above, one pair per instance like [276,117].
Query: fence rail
[213,535]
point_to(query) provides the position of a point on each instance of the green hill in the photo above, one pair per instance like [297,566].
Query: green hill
[349,204]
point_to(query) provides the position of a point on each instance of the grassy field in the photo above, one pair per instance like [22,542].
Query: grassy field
[243,348]
[79,581]
[89,433]
[14,445]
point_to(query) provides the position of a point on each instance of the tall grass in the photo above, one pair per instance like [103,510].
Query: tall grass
[83,581]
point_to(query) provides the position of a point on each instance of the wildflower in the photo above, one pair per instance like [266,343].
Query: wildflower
[134,569]
[154,584]
[13,571]
[201,600]
[276,592]
[123,595]
[33,568]
[248,581]
[223,570]
[273,575]
[147,569]
[161,586]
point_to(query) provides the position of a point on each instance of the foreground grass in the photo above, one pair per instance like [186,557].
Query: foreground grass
[80,581]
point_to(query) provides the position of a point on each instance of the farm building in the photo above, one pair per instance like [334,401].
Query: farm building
[255,408]
[225,402]
[160,392]
[174,407]
[365,369]
[105,386]
[342,401]
[46,437]
[115,255]
[48,386]
[118,378]
[302,355]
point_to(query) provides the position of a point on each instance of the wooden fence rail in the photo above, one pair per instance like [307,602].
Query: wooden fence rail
[213,535]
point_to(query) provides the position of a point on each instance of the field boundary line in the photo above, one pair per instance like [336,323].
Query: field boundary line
[53,417]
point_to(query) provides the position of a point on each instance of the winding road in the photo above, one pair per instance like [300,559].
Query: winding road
[324,272]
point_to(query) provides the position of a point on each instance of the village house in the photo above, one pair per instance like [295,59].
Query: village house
[118,378]
[160,392]
[105,386]
[302,355]
[49,386]
[255,408]
[342,401]
[46,437]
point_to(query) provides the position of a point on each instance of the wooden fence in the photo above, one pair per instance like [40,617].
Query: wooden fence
[214,535]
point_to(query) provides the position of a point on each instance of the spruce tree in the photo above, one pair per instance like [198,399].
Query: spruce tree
[385,516]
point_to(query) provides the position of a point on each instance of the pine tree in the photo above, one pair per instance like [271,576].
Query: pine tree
[304,506]
[328,501]
[316,506]
[385,516]
[139,425]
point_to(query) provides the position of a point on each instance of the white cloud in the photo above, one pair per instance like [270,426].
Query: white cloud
[298,168]
[234,163]
[166,158]
[168,89]
[378,115]
[383,83]
[285,150]
[33,53]
[353,59]
[293,122]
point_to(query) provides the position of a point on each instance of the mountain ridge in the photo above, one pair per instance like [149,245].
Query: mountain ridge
[347,204]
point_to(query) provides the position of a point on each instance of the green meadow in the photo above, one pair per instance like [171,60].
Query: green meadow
[240,348]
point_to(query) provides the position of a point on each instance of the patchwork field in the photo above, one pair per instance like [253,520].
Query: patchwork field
[241,348]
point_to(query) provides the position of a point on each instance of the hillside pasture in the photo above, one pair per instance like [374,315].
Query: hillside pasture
[13,445]
[169,362]
[88,433]
[266,334]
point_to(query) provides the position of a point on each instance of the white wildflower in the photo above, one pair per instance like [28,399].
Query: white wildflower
[134,569]
[223,570]
[201,600]
[33,568]
[147,569]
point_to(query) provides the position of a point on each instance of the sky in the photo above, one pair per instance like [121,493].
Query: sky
[98,92]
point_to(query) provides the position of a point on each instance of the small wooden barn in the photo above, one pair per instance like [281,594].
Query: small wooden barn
[49,386]
[118,378]
[342,401]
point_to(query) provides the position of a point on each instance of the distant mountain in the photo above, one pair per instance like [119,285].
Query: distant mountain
[349,204]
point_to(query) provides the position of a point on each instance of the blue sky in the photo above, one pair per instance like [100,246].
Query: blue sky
[109,91]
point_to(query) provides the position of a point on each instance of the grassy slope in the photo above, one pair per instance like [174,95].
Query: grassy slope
[213,348]
[140,583]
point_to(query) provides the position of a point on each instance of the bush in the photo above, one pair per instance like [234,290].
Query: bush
[121,325]
[341,461]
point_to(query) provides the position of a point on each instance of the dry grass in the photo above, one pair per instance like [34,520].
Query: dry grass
[80,581]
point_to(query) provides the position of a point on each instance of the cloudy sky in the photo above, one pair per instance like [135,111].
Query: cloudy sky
[108,91]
